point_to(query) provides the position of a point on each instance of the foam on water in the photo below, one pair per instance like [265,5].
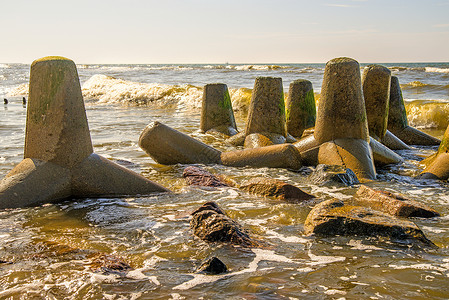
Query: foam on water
[261,255]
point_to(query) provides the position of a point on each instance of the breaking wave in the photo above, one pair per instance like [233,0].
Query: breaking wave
[428,114]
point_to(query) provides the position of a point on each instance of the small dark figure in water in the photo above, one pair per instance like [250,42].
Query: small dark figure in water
[5,101]
[24,101]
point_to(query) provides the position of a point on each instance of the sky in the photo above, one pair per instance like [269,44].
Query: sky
[226,31]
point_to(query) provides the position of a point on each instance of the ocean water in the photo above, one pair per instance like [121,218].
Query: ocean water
[52,248]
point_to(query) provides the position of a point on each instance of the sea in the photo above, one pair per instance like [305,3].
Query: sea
[57,251]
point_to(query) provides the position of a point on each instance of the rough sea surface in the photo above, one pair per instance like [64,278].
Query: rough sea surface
[53,251]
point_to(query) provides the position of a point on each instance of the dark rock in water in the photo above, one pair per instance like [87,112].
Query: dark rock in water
[212,225]
[275,188]
[198,176]
[213,266]
[394,204]
[106,264]
[325,174]
[333,217]
[209,206]
[5,262]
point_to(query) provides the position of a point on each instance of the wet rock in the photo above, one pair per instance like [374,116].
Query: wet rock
[333,217]
[213,266]
[106,264]
[394,204]
[212,225]
[198,176]
[270,187]
[331,174]
[5,262]
[209,206]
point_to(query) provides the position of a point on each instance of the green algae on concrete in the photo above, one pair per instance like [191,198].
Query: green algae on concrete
[57,129]
[376,91]
[300,107]
[341,109]
[59,162]
[217,113]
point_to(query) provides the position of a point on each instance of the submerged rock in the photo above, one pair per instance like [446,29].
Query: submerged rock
[333,217]
[106,264]
[210,224]
[331,174]
[394,204]
[270,187]
[212,266]
[198,176]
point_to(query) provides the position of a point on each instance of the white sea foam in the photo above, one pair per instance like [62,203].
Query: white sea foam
[106,89]
[437,70]
[261,255]
[320,260]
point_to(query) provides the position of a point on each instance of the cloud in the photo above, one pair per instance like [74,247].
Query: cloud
[440,25]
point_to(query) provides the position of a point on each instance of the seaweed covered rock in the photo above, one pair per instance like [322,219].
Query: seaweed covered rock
[333,217]
[212,266]
[393,204]
[200,177]
[211,224]
[271,187]
[331,174]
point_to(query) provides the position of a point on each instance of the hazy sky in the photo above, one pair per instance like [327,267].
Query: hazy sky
[234,31]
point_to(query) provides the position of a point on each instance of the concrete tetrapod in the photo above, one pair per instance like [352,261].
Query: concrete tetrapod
[266,116]
[376,82]
[341,128]
[58,157]
[169,146]
[438,164]
[300,107]
[217,114]
[398,123]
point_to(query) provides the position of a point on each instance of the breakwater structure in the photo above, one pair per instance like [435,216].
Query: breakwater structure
[58,156]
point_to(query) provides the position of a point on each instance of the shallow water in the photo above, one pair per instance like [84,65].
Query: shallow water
[52,248]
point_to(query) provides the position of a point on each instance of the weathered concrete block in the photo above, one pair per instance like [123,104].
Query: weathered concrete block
[438,164]
[341,109]
[355,154]
[333,217]
[382,155]
[275,156]
[267,108]
[57,129]
[376,91]
[58,157]
[256,140]
[398,123]
[217,113]
[393,142]
[300,107]
[393,204]
[168,146]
